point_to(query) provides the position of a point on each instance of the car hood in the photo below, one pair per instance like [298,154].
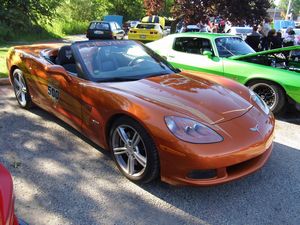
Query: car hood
[191,95]
[278,50]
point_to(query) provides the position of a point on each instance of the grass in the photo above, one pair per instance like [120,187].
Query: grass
[3,51]
[37,34]
[58,30]
[67,28]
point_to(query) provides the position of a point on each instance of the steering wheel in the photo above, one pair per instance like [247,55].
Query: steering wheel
[135,60]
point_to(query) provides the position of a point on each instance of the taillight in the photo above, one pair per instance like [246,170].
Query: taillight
[155,32]
[151,32]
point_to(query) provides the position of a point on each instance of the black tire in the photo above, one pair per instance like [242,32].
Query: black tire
[152,168]
[277,106]
[25,102]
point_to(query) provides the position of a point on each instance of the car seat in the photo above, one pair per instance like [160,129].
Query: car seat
[105,61]
[205,46]
[66,59]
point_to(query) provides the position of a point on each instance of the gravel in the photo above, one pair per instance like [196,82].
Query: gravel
[62,178]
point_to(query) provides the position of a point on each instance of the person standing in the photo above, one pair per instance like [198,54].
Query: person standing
[265,31]
[290,39]
[274,39]
[253,39]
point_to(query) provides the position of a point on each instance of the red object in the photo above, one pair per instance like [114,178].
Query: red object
[7,215]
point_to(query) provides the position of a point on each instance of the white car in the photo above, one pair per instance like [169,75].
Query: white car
[240,31]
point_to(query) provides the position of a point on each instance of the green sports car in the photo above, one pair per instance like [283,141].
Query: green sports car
[273,74]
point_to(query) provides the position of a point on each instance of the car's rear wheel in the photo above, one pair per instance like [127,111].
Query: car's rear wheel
[134,151]
[272,94]
[21,89]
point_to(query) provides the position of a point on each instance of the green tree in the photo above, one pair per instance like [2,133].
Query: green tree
[130,10]
[19,14]
[295,7]
[167,11]
[82,10]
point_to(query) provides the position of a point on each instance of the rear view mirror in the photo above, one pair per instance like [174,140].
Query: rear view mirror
[208,54]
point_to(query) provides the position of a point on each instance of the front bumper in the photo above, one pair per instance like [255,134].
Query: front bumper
[241,153]
[225,174]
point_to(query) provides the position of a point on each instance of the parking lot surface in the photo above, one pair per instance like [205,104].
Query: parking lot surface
[62,178]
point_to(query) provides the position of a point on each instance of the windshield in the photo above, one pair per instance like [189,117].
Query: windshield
[120,60]
[99,26]
[229,46]
[145,26]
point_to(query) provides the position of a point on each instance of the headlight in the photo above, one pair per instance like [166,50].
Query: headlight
[261,103]
[191,131]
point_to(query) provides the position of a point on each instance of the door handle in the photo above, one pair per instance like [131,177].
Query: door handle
[171,56]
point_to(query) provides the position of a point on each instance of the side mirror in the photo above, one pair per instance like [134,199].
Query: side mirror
[164,57]
[209,54]
[58,70]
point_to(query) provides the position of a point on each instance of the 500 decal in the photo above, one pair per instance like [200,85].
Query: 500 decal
[53,92]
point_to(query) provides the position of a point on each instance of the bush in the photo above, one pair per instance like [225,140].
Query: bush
[74,28]
[63,28]
[28,34]
[5,32]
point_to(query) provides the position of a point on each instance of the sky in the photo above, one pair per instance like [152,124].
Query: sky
[276,2]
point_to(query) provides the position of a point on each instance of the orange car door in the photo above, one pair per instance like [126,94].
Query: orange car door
[37,80]
[64,90]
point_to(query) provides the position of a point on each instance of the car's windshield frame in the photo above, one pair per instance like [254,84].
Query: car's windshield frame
[89,76]
[230,52]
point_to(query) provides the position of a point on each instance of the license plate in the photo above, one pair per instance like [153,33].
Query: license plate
[98,32]
[143,36]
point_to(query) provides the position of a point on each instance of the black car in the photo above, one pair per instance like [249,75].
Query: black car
[104,30]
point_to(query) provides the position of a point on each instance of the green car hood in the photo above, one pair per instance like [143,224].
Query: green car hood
[278,50]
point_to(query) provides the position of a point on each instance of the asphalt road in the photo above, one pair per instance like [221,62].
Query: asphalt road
[62,178]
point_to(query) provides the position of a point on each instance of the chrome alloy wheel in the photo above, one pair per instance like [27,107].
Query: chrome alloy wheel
[267,93]
[20,87]
[129,150]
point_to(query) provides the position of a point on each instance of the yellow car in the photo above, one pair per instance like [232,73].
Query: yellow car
[146,32]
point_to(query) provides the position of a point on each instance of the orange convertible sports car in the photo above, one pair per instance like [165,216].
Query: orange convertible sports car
[187,128]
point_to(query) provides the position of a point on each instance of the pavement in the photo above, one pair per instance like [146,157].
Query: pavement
[62,178]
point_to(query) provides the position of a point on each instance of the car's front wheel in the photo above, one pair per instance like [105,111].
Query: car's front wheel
[21,89]
[272,94]
[134,151]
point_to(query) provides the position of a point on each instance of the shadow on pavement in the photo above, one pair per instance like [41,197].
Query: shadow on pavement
[291,115]
[63,179]
[270,196]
